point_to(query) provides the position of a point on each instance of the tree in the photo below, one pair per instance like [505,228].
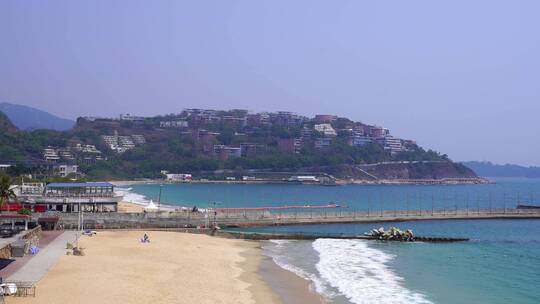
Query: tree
[5,192]
[25,211]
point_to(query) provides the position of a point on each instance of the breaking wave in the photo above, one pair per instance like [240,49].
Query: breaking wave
[284,259]
[362,273]
[132,197]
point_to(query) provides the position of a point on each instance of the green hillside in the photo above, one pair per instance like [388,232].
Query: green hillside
[234,140]
[28,118]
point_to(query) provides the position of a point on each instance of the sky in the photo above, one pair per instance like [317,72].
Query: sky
[460,77]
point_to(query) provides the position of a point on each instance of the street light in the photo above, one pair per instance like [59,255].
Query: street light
[215,212]
[159,196]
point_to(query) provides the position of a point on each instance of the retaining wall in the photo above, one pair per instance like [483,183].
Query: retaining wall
[187,219]
[31,237]
[5,252]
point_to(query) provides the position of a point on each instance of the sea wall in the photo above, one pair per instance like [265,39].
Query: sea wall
[175,220]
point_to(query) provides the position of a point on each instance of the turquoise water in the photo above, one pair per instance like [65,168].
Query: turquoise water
[501,263]
[358,197]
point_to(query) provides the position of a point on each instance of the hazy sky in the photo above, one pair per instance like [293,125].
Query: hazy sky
[461,77]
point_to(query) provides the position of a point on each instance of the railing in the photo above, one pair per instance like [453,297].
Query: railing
[257,218]
[81,195]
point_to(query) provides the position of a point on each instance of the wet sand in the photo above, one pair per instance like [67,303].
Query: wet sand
[290,288]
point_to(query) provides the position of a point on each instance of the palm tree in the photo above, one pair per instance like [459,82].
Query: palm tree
[5,192]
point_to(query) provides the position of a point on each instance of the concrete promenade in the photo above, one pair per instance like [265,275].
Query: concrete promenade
[166,219]
[47,237]
[38,265]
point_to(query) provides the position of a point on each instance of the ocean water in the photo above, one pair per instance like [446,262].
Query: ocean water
[505,193]
[501,263]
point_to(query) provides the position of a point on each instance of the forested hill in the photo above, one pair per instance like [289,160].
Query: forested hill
[489,169]
[5,124]
[28,118]
[19,145]
[206,141]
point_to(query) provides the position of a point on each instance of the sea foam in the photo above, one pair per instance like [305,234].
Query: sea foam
[362,273]
[131,197]
[284,258]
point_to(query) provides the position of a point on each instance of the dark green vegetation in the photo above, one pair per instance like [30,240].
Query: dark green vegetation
[28,118]
[493,170]
[183,150]
[6,193]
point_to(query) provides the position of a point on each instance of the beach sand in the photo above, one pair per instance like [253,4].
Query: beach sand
[290,288]
[124,206]
[173,268]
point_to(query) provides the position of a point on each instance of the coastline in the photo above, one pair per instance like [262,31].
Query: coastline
[129,207]
[173,268]
[338,182]
[288,286]
[269,279]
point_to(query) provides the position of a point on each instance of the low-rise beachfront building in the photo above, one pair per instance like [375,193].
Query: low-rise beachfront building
[89,197]
[178,177]
[65,170]
[304,179]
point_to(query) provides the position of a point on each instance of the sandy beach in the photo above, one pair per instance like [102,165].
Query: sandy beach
[124,206]
[173,268]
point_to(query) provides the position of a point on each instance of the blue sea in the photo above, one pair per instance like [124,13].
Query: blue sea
[501,263]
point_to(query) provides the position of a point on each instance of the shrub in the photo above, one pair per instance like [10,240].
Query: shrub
[25,211]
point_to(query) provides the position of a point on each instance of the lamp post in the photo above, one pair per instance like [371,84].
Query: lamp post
[79,222]
[159,196]
[215,213]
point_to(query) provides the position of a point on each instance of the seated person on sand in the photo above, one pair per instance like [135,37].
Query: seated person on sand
[145,239]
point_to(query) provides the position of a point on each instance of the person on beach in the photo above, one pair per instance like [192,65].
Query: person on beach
[145,239]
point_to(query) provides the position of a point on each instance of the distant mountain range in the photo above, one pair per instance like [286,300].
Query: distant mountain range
[488,169]
[28,118]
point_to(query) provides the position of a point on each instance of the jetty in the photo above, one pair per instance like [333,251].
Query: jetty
[313,236]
